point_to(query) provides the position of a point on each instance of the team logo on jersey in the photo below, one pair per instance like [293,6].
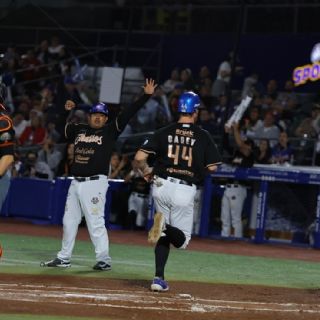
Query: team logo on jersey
[95,200]
[5,136]
[88,139]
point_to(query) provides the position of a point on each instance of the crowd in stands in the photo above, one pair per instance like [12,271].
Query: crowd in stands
[41,79]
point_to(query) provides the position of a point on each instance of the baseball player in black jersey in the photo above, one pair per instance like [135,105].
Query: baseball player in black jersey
[236,191]
[183,152]
[93,145]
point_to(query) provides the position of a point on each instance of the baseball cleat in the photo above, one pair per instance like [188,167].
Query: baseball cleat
[159,284]
[56,263]
[101,265]
[157,228]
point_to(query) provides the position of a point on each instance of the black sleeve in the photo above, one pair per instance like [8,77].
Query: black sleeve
[127,113]
[70,131]
[6,136]
[151,144]
[212,156]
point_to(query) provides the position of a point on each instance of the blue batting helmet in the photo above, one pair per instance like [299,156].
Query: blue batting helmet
[99,108]
[188,102]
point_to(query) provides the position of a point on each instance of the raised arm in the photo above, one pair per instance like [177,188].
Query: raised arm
[244,148]
[69,105]
[128,112]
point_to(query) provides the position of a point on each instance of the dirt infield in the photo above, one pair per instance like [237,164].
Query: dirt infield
[121,299]
[127,299]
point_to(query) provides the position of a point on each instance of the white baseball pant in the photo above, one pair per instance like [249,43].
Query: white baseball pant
[231,209]
[139,203]
[86,199]
[176,202]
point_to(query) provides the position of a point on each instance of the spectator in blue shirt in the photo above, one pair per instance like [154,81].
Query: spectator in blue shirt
[282,152]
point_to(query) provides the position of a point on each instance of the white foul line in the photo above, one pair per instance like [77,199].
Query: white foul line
[141,300]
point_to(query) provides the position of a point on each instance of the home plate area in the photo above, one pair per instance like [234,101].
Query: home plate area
[139,303]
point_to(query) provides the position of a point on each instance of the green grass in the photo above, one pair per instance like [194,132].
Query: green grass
[22,254]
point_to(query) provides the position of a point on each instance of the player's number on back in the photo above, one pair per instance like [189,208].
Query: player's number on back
[178,153]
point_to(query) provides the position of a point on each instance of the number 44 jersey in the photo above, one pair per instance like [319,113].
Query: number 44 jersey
[183,151]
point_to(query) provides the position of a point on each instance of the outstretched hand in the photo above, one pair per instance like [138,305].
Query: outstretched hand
[149,86]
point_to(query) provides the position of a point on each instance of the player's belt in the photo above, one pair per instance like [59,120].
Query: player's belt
[140,195]
[175,180]
[82,179]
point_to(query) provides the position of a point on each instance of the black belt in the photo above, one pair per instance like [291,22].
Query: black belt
[176,180]
[82,179]
[140,195]
[232,185]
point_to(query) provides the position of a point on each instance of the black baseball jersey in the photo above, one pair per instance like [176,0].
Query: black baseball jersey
[183,151]
[93,147]
[241,160]
[6,136]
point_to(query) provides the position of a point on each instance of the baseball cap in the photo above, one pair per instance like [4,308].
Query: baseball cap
[99,108]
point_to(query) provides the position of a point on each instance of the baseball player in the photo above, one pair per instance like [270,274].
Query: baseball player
[138,202]
[6,146]
[235,192]
[93,145]
[182,152]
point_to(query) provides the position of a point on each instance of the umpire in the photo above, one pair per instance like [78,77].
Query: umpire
[93,145]
[183,152]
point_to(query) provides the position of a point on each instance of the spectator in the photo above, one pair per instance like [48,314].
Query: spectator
[173,100]
[207,121]
[221,84]
[164,115]
[27,169]
[55,47]
[33,134]
[187,80]
[30,64]
[24,107]
[146,117]
[42,53]
[263,153]
[220,110]
[308,126]
[204,78]
[19,123]
[117,165]
[52,133]
[282,152]
[50,155]
[267,130]
[252,122]
[272,89]
[169,85]
[249,85]
[65,164]
[11,54]
[288,98]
